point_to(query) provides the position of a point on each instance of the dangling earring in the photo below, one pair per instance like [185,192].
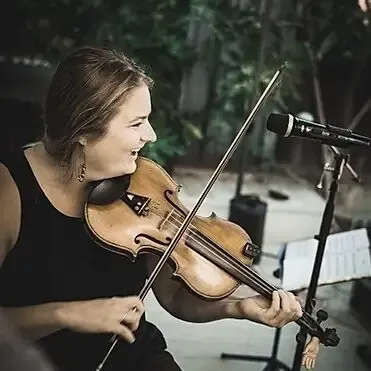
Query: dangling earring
[82,171]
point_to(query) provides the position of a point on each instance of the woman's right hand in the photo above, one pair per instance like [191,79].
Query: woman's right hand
[365,5]
[117,315]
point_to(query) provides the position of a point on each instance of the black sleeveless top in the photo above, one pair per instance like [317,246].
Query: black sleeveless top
[54,260]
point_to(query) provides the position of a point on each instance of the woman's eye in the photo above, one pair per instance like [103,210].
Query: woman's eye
[137,124]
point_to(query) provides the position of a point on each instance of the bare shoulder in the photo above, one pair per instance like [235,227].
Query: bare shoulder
[10,206]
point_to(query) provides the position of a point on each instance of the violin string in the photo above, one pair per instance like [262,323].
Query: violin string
[243,269]
[209,247]
[231,258]
[259,281]
[246,270]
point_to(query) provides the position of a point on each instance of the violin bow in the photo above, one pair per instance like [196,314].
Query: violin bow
[182,229]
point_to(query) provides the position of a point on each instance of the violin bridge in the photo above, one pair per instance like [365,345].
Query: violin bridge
[162,224]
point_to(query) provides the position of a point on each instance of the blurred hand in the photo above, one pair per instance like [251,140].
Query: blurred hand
[364,5]
[310,353]
[120,316]
[16,353]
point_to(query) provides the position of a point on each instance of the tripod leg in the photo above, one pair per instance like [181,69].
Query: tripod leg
[282,366]
[276,341]
[273,356]
[272,363]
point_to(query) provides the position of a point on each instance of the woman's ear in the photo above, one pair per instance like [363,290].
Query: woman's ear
[82,141]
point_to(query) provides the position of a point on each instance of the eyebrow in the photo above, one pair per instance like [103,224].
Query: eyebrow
[139,117]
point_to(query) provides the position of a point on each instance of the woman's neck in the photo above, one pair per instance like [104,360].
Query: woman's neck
[55,175]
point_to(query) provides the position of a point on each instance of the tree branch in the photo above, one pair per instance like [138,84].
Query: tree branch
[357,73]
[320,112]
[358,117]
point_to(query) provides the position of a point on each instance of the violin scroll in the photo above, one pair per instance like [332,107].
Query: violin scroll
[331,338]
[327,337]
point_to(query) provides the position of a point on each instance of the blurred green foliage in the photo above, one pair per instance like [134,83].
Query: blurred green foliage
[156,34]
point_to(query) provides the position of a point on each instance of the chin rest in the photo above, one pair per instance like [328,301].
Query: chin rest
[106,191]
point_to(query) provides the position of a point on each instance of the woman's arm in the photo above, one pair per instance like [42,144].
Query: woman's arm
[33,321]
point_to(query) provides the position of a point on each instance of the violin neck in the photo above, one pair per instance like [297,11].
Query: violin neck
[245,274]
[230,264]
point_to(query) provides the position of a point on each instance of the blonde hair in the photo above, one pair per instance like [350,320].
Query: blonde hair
[85,93]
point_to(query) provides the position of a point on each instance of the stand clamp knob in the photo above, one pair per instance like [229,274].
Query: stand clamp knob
[327,167]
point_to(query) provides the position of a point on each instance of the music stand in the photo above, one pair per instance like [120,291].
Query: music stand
[272,362]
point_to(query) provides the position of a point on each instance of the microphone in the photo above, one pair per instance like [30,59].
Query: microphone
[289,125]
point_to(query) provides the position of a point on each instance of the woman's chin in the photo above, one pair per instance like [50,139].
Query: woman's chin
[125,169]
[129,168]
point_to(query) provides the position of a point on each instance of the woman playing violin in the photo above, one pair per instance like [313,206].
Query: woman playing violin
[58,287]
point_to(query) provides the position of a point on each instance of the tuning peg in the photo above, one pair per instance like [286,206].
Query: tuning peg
[301,336]
[321,316]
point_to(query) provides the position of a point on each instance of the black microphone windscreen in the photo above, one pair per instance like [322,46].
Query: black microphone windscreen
[277,123]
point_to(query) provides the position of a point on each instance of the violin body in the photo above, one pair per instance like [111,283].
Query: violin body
[146,216]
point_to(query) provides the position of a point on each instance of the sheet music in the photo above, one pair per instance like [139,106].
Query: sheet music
[346,257]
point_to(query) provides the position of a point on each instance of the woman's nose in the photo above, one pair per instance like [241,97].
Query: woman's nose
[149,134]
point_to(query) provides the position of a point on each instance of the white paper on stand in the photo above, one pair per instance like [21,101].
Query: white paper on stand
[346,257]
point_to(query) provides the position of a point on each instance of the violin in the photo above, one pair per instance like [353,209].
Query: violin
[214,256]
[210,255]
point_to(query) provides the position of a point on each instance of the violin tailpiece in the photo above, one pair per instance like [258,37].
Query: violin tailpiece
[139,204]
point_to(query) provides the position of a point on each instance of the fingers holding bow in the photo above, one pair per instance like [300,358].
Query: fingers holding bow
[285,308]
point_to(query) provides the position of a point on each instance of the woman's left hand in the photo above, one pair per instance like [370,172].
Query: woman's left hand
[284,308]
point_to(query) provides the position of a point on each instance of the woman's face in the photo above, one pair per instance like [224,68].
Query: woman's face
[115,153]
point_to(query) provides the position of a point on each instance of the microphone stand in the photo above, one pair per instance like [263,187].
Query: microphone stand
[341,161]
[274,364]
[353,174]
